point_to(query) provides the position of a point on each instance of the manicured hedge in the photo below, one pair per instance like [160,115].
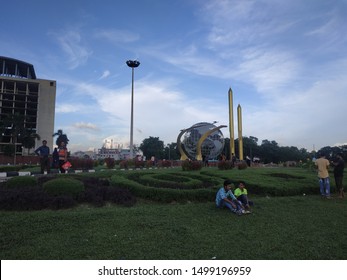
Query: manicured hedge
[21,182]
[64,186]
[163,194]
[60,192]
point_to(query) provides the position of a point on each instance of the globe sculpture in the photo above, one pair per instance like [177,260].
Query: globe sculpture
[201,141]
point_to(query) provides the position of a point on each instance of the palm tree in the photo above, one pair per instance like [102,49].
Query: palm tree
[28,139]
[61,137]
[13,126]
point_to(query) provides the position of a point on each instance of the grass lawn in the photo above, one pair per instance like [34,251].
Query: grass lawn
[297,227]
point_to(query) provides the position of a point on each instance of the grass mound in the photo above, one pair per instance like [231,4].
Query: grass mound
[64,186]
[21,182]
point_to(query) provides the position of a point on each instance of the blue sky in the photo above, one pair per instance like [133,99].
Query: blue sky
[286,62]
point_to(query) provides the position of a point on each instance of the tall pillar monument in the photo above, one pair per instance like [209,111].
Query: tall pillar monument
[239,129]
[231,123]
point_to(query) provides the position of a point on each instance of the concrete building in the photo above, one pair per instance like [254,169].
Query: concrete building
[27,98]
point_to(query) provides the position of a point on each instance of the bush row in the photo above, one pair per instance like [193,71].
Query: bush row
[163,194]
[176,187]
[283,188]
[190,165]
[175,180]
[50,192]
[139,164]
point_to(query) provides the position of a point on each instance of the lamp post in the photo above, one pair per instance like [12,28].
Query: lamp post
[132,64]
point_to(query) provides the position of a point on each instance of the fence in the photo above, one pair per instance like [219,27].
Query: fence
[6,160]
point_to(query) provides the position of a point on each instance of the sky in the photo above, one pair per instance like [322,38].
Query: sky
[285,61]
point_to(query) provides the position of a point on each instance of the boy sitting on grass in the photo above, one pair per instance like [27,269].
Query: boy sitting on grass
[242,195]
[225,198]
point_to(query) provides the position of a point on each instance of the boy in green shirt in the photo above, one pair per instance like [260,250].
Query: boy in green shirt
[226,198]
[242,195]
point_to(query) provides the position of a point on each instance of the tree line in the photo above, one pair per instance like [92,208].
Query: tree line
[268,151]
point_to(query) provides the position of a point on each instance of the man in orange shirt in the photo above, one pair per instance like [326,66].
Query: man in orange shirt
[323,174]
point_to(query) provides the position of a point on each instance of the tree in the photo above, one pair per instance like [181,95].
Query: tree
[250,146]
[292,153]
[61,137]
[226,149]
[330,152]
[28,139]
[152,146]
[269,151]
[171,152]
[12,127]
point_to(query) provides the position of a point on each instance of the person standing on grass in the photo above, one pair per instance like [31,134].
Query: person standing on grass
[323,175]
[43,153]
[339,166]
[225,198]
[55,158]
[242,195]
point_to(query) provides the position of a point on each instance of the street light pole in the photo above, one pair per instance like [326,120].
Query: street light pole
[132,64]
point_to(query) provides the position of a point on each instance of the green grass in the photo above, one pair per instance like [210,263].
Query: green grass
[279,228]
[294,227]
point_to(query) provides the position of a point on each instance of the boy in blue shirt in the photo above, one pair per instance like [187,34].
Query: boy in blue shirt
[225,198]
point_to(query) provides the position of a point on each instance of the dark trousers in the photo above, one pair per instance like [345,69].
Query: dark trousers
[44,163]
[338,182]
[244,200]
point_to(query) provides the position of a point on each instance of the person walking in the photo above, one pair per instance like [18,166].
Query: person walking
[339,166]
[43,153]
[323,176]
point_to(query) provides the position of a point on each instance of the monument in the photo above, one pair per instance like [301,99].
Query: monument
[201,140]
[205,140]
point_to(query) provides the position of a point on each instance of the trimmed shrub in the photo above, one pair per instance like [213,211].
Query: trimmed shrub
[9,168]
[97,192]
[165,163]
[140,164]
[31,198]
[123,164]
[110,163]
[225,165]
[43,179]
[163,194]
[173,181]
[91,181]
[189,165]
[62,202]
[81,163]
[120,196]
[242,165]
[21,182]
[64,186]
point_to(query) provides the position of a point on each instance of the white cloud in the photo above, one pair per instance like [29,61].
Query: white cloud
[105,74]
[67,108]
[269,70]
[72,44]
[116,36]
[83,125]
